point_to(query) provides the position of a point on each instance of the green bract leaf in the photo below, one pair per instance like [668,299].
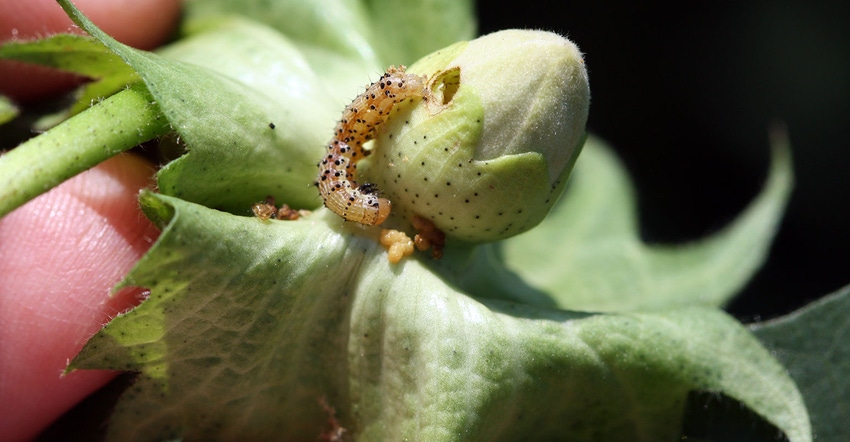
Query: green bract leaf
[812,343]
[246,100]
[587,255]
[78,54]
[73,53]
[270,125]
[249,324]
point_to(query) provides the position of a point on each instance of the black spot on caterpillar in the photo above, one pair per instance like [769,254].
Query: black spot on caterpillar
[360,123]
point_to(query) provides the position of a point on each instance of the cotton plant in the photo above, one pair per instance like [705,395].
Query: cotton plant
[546,317]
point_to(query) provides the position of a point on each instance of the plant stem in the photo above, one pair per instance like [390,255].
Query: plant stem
[108,128]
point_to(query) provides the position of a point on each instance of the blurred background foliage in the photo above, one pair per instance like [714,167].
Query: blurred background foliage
[686,94]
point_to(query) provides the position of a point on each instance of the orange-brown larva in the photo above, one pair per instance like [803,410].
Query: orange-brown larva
[360,123]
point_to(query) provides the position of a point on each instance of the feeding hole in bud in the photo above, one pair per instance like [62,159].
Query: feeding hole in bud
[444,86]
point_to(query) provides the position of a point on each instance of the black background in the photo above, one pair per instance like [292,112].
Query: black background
[686,93]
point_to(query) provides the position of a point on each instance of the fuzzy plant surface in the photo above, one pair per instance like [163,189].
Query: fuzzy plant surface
[294,330]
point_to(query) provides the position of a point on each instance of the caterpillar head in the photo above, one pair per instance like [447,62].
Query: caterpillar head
[489,152]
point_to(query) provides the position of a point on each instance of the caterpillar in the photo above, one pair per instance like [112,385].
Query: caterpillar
[360,123]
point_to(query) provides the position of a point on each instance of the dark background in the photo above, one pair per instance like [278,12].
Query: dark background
[686,93]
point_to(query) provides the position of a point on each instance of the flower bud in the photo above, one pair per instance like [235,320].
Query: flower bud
[488,152]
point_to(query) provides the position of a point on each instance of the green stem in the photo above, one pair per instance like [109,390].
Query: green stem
[108,128]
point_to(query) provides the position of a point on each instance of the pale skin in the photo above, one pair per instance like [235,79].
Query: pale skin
[61,253]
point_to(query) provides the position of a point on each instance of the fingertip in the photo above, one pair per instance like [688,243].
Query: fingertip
[60,256]
[140,24]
